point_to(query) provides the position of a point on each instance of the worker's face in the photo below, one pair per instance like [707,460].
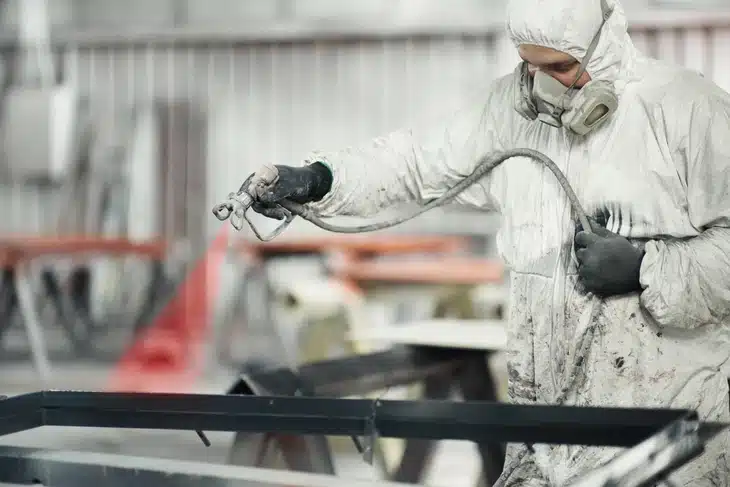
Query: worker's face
[559,65]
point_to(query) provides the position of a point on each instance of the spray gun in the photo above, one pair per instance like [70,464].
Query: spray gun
[237,205]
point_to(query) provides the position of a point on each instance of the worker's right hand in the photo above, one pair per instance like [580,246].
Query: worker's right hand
[298,184]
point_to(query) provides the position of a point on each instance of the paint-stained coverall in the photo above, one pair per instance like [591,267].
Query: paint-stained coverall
[658,171]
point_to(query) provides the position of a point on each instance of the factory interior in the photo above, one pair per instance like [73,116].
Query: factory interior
[123,123]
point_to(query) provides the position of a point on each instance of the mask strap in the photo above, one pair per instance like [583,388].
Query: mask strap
[606,12]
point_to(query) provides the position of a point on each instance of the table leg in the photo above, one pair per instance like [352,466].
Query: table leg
[252,450]
[70,320]
[477,383]
[80,298]
[80,289]
[418,453]
[263,339]
[161,288]
[8,300]
[31,321]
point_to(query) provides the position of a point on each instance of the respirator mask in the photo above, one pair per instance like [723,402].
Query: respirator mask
[546,99]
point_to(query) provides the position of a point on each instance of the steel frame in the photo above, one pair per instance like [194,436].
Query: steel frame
[442,420]
[670,437]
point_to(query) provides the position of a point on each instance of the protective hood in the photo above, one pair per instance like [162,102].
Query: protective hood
[569,26]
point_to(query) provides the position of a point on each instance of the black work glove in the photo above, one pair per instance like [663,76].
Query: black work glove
[608,264]
[298,184]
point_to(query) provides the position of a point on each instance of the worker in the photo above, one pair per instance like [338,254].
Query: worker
[636,314]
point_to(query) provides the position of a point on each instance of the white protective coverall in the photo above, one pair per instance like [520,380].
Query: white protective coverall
[659,169]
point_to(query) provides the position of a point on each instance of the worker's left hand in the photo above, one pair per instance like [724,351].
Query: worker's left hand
[608,264]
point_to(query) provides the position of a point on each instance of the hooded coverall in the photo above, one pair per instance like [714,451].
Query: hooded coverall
[658,170]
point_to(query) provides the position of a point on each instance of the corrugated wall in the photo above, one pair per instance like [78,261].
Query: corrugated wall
[273,102]
[701,49]
[295,95]
[371,85]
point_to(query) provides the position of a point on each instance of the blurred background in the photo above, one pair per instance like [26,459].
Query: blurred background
[123,123]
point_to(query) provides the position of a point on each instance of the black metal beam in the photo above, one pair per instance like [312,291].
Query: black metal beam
[354,376]
[472,421]
[21,413]
[49,468]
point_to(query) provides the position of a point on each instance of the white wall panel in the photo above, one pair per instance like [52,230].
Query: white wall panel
[288,99]
[136,14]
[696,53]
[60,12]
[273,102]
[319,9]
[668,42]
[225,12]
[642,41]
[719,58]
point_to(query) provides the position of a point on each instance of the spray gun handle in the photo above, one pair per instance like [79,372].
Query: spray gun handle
[237,206]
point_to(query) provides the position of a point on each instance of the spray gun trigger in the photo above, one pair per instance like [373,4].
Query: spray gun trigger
[289,217]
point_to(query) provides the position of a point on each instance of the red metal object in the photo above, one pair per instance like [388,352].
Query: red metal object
[167,356]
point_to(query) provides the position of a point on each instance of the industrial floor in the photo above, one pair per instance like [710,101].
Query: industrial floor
[456,464]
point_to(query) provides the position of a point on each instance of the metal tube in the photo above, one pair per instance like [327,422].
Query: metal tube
[471,421]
